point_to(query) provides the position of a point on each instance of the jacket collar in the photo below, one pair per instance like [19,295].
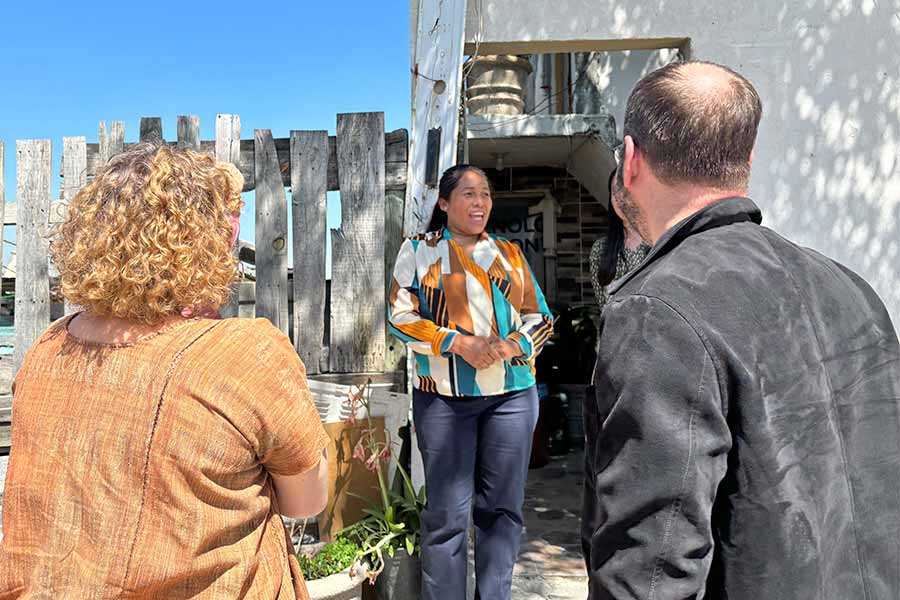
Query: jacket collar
[485,251]
[723,212]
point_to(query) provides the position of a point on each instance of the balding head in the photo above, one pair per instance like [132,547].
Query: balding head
[696,123]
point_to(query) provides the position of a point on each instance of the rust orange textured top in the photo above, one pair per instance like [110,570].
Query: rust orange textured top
[142,470]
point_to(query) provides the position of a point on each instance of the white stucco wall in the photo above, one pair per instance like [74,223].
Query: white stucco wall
[608,77]
[827,167]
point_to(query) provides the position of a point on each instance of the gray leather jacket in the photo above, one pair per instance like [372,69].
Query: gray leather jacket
[744,442]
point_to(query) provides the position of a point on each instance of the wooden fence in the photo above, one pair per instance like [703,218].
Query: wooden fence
[367,166]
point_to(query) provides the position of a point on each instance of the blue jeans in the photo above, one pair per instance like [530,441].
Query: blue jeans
[473,447]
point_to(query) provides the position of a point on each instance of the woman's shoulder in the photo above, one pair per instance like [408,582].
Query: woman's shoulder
[258,326]
[249,341]
[56,330]
[257,329]
[47,343]
[597,248]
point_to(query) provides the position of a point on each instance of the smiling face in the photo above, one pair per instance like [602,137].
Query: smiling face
[469,206]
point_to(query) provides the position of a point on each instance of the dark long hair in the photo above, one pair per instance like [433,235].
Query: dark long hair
[615,241]
[449,181]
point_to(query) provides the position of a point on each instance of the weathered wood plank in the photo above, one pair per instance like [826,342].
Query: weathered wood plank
[32,277]
[435,105]
[228,141]
[151,129]
[5,437]
[103,152]
[271,234]
[74,166]
[357,257]
[58,211]
[109,146]
[189,132]
[228,138]
[116,138]
[309,180]
[395,350]
[396,152]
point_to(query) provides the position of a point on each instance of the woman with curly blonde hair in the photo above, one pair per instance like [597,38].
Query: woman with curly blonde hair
[154,449]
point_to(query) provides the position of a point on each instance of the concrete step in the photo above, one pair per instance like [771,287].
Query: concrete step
[549,587]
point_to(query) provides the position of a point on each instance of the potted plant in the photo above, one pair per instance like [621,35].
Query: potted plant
[334,572]
[389,536]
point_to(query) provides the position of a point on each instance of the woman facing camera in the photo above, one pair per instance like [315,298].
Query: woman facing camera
[154,451]
[468,306]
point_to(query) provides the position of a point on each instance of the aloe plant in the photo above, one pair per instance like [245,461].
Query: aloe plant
[395,523]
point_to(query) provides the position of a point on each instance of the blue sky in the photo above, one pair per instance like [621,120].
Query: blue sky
[65,66]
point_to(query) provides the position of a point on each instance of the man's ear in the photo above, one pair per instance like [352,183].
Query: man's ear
[752,152]
[630,166]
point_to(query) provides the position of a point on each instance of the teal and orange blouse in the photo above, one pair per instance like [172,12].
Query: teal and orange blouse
[438,292]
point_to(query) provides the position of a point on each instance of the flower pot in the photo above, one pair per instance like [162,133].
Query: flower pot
[340,586]
[401,578]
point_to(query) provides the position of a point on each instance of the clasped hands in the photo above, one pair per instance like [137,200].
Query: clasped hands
[483,351]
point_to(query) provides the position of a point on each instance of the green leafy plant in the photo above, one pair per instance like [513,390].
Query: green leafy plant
[333,558]
[396,522]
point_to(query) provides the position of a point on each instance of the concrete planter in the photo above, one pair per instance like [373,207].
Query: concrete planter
[401,578]
[496,84]
[340,586]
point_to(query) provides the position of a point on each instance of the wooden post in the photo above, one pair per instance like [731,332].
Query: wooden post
[228,149]
[357,257]
[228,138]
[549,210]
[103,140]
[437,79]
[151,129]
[395,350]
[109,145]
[189,132]
[271,233]
[32,279]
[309,181]
[74,167]
[116,138]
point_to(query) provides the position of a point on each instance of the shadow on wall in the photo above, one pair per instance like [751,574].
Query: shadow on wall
[826,172]
[605,79]
[834,183]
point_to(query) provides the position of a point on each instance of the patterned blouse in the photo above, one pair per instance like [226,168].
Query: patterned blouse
[628,261]
[439,292]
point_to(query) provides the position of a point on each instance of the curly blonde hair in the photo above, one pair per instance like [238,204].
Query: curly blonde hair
[150,235]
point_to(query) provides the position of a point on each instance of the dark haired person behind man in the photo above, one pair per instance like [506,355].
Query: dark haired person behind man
[745,438]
